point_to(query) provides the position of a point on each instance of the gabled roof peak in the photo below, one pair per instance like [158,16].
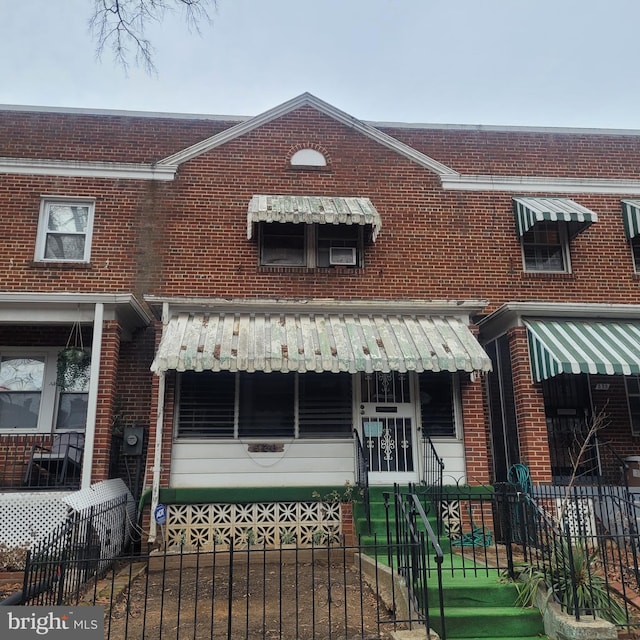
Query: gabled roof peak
[306,99]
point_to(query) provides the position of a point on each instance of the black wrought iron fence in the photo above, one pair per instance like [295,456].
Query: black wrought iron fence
[578,542]
[59,566]
[319,592]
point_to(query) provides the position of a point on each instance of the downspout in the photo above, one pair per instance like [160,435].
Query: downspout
[157,455]
[92,397]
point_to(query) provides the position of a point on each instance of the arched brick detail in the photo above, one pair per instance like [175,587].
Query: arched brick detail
[532,426]
[308,145]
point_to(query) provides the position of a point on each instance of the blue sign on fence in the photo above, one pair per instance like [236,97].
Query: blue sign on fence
[160,514]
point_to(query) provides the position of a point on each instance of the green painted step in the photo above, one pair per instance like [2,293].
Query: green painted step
[474,592]
[477,607]
[491,622]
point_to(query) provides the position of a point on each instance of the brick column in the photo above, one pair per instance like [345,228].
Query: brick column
[532,426]
[476,436]
[106,398]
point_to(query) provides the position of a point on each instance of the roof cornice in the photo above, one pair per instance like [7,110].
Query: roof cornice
[320,305]
[306,99]
[534,184]
[78,169]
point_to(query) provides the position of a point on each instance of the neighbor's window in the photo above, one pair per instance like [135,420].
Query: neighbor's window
[437,404]
[635,249]
[310,245]
[546,247]
[64,231]
[633,399]
[29,397]
[264,405]
[21,383]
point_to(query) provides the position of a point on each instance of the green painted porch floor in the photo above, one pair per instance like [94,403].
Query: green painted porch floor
[477,605]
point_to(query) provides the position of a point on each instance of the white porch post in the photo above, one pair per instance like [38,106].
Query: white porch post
[92,400]
[157,456]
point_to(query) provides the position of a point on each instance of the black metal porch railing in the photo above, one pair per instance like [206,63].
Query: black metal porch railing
[416,541]
[41,461]
[362,476]
[433,477]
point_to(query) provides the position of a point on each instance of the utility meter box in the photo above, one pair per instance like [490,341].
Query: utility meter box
[133,438]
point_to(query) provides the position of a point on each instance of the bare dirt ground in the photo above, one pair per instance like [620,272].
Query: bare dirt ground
[249,600]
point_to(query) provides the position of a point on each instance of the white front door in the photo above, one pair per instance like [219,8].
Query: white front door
[387,422]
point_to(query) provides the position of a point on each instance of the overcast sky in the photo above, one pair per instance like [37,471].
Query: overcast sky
[568,63]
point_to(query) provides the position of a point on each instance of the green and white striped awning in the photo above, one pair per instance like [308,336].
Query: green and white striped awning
[573,346]
[529,211]
[318,342]
[631,217]
[313,210]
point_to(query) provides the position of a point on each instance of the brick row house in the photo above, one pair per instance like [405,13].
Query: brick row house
[259,300]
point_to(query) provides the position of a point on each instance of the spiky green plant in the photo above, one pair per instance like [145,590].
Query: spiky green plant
[574,577]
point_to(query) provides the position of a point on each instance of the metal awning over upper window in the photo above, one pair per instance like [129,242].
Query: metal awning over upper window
[631,217]
[596,347]
[318,342]
[313,210]
[529,211]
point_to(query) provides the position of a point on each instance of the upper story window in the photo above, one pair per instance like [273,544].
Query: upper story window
[631,220]
[635,252]
[545,227]
[308,158]
[304,245]
[64,230]
[311,231]
[545,247]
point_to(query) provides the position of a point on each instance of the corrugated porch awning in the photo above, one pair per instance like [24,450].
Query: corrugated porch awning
[317,342]
[529,211]
[313,210]
[631,217]
[596,347]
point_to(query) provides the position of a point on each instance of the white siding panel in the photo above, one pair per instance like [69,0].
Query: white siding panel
[218,464]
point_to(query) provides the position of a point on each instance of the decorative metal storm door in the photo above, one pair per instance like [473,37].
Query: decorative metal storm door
[387,417]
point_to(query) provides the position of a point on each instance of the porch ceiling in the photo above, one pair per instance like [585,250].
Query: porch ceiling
[573,346]
[318,342]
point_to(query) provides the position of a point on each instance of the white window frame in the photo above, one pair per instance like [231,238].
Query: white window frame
[564,245]
[43,231]
[635,394]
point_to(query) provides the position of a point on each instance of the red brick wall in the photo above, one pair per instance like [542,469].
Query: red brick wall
[188,237]
[476,434]
[530,415]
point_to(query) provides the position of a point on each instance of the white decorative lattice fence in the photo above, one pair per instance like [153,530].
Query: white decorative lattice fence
[270,524]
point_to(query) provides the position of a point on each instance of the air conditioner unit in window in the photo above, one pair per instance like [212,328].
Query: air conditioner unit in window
[342,256]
